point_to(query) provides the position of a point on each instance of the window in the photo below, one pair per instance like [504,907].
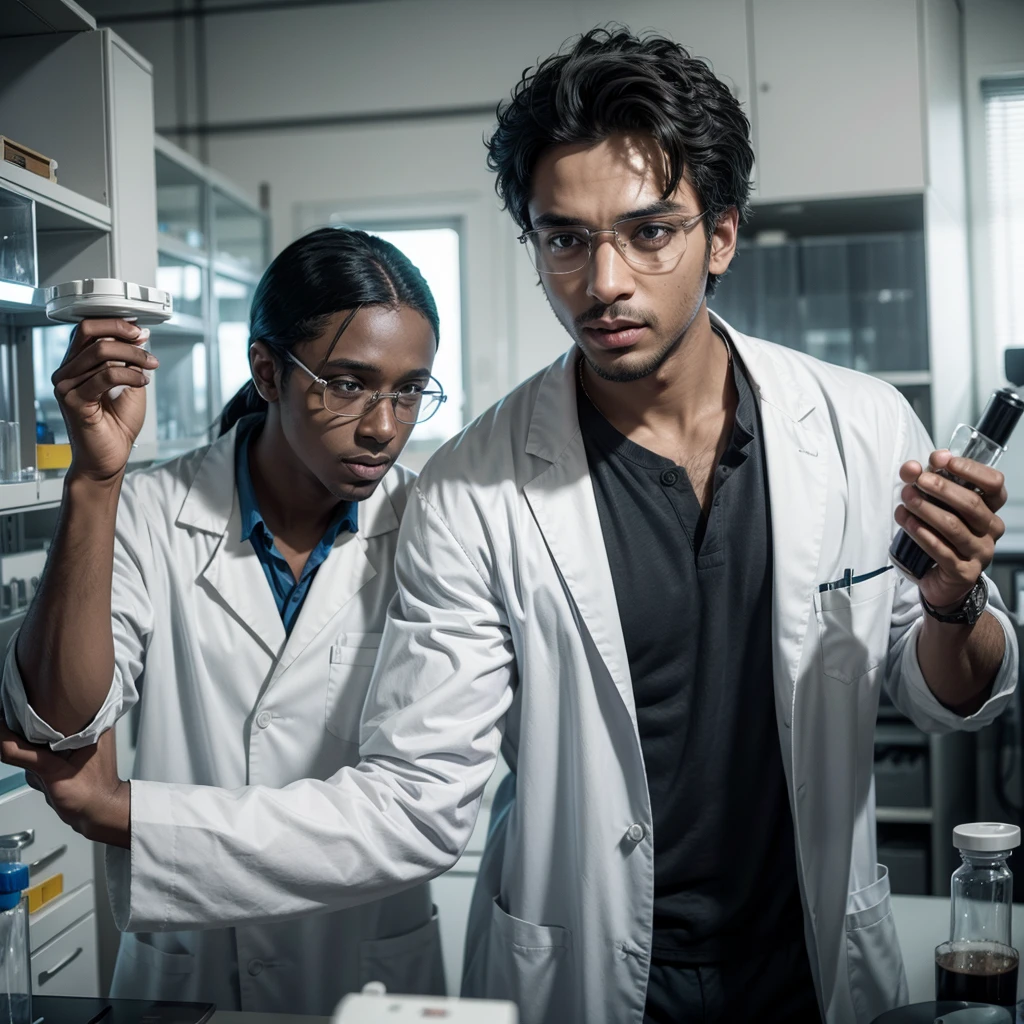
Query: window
[1004,132]
[435,251]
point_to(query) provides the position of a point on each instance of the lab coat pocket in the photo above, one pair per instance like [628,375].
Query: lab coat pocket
[145,971]
[531,965]
[352,659]
[853,626]
[877,979]
[409,964]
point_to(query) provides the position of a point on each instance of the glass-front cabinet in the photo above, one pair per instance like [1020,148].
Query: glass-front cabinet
[841,281]
[212,249]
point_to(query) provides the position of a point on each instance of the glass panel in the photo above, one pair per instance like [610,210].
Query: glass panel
[435,251]
[855,300]
[184,281]
[49,345]
[179,203]
[182,395]
[233,301]
[17,241]
[239,234]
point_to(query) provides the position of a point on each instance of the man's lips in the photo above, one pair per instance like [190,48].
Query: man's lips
[614,334]
[367,469]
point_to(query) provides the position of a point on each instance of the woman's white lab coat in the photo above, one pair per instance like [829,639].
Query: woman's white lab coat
[225,699]
[505,634]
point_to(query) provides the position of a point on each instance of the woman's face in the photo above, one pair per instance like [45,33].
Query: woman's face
[381,350]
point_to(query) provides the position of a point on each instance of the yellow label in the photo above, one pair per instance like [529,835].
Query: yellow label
[39,895]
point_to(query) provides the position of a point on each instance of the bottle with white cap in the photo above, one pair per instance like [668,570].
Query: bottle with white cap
[978,963]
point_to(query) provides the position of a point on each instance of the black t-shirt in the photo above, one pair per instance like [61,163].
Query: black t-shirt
[694,595]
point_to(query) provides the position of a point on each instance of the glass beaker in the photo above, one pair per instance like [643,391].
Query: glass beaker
[10,451]
[978,963]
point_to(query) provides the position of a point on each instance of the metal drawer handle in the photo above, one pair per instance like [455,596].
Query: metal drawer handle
[48,975]
[18,840]
[47,859]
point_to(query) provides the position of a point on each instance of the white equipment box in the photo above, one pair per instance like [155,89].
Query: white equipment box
[387,1009]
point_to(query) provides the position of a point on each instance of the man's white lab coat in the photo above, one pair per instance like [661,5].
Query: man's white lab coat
[505,636]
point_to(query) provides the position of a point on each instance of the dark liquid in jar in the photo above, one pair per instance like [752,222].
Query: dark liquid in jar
[984,975]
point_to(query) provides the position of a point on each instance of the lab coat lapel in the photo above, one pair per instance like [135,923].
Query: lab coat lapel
[795,453]
[562,500]
[343,573]
[233,576]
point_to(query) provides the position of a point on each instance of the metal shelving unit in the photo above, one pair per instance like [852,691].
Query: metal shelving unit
[916,813]
[212,247]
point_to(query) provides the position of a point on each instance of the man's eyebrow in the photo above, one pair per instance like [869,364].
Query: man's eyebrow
[662,206]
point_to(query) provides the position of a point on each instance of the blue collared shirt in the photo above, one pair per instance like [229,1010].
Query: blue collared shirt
[288,592]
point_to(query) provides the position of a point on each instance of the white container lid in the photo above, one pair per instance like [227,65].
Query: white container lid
[986,837]
[106,297]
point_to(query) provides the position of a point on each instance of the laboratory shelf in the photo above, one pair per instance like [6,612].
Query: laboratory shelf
[899,734]
[904,815]
[180,323]
[168,245]
[57,207]
[35,17]
[228,268]
[22,298]
[51,490]
[19,497]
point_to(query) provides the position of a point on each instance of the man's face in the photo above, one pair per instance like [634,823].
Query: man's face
[626,320]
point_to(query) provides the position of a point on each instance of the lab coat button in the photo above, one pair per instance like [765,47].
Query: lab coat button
[635,832]
[669,478]
[255,967]
[263,720]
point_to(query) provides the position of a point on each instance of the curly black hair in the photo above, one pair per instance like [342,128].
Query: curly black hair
[611,80]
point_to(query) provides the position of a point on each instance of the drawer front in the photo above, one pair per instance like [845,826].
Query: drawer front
[68,965]
[56,849]
[46,924]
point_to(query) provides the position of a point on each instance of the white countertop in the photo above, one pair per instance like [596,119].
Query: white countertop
[235,1017]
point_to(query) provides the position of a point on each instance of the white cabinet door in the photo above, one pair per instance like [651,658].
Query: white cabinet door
[838,105]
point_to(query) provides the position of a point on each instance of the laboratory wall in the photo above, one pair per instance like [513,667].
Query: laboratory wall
[374,112]
[993,48]
[378,111]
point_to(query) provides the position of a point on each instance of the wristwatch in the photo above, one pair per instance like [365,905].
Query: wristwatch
[968,611]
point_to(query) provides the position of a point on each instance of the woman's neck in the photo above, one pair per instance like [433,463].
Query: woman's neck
[295,506]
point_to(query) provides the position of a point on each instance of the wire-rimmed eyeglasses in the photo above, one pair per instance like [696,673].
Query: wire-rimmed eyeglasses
[350,398]
[654,244]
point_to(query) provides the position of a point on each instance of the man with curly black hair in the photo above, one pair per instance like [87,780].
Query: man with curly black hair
[656,578]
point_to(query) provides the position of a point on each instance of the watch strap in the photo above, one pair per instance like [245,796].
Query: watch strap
[968,611]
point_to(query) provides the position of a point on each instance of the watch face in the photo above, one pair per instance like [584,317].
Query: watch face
[976,602]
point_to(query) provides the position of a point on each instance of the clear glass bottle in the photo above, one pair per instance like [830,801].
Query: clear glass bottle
[978,963]
[984,443]
[15,968]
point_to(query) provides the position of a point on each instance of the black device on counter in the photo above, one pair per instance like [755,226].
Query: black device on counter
[987,442]
[78,1010]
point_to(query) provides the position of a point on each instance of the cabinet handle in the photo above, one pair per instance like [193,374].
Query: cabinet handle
[19,840]
[52,972]
[47,859]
